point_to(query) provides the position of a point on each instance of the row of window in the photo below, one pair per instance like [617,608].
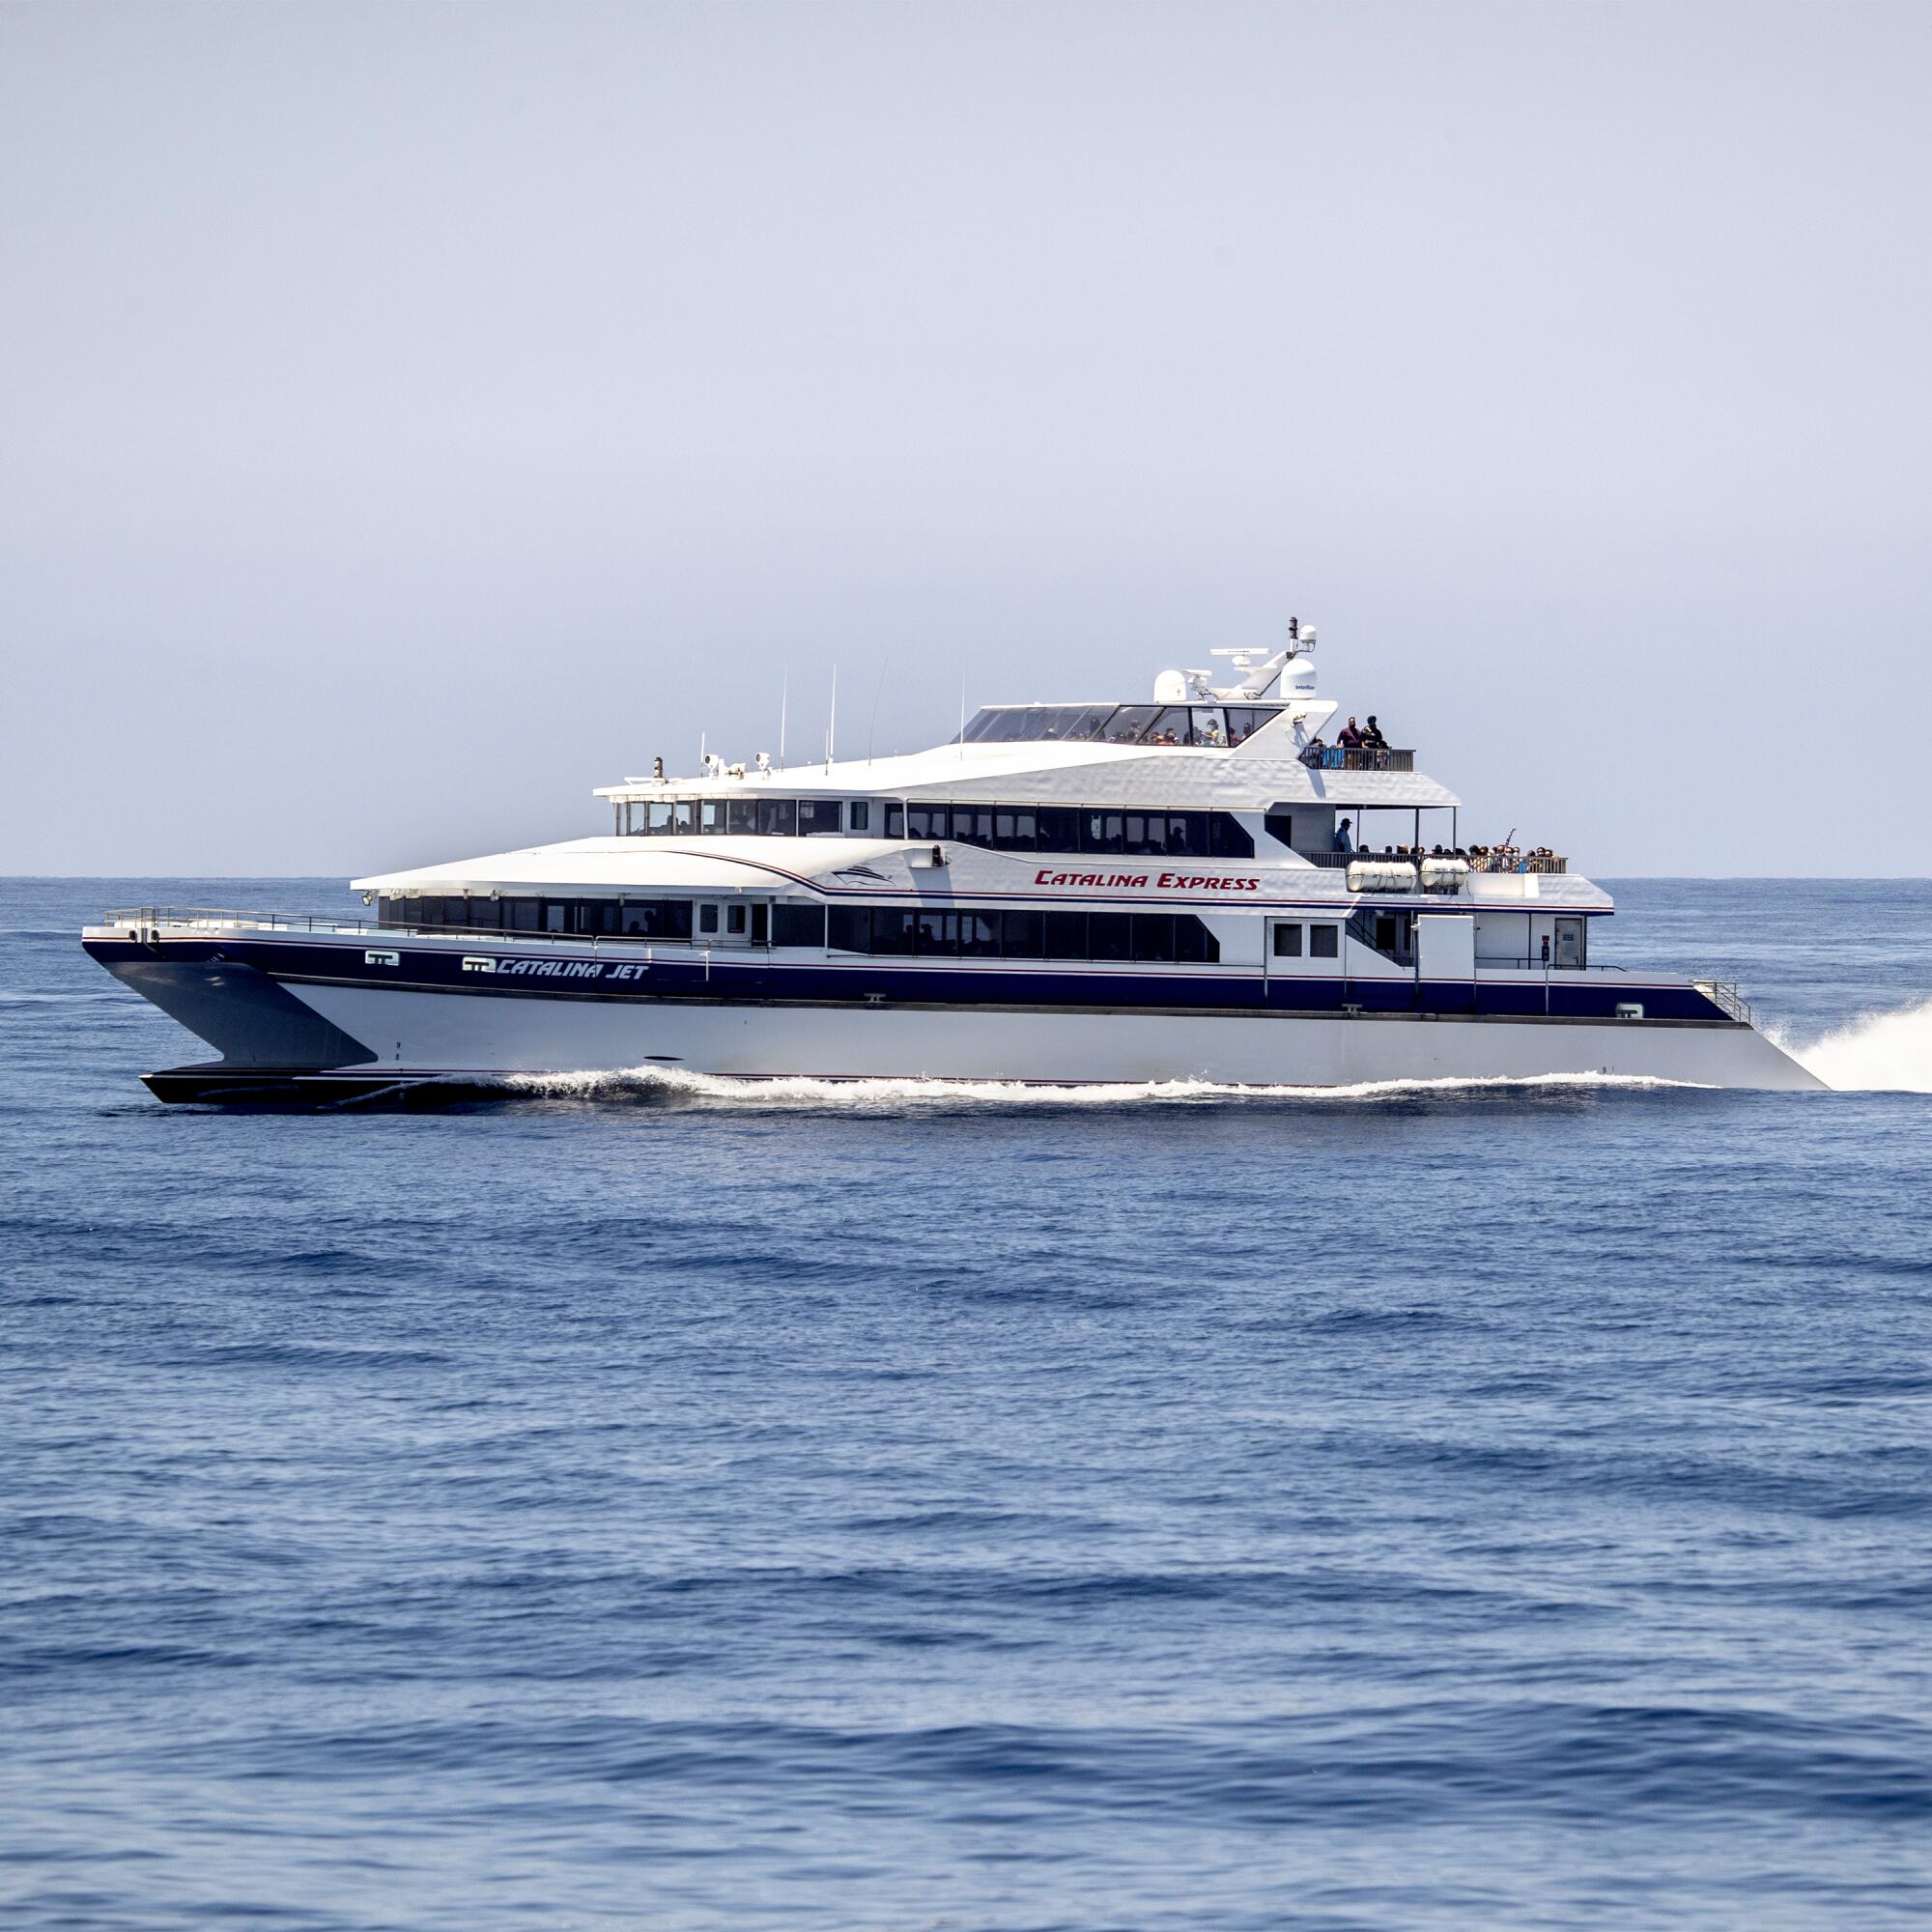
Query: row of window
[590,919]
[1216,724]
[1069,828]
[896,931]
[1002,828]
[747,817]
[904,932]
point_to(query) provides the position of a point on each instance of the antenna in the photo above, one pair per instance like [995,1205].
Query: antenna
[831,720]
[960,741]
[785,693]
[871,723]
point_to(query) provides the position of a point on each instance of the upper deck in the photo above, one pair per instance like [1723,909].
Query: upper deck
[1252,745]
[1202,773]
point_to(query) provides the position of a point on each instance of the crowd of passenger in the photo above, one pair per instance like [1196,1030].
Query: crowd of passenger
[1504,858]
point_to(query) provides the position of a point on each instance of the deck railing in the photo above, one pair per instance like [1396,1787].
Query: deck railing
[1724,993]
[254,922]
[1359,758]
[1489,862]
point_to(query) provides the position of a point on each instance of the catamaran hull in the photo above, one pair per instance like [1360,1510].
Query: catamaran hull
[330,1041]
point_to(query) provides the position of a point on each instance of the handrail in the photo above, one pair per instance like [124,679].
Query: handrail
[1359,758]
[214,919]
[1493,862]
[1724,994]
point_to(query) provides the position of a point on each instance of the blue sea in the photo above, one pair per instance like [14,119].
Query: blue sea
[680,1506]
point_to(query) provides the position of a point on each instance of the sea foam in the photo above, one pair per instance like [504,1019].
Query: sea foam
[1883,1052]
[674,1085]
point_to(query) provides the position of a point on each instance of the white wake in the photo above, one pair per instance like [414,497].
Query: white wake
[675,1084]
[1876,1053]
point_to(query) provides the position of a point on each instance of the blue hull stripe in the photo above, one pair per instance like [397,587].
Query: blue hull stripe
[1072,987]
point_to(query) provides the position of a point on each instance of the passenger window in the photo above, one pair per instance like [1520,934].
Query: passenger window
[798,924]
[1103,830]
[1126,726]
[1067,935]
[1208,727]
[895,821]
[1088,722]
[1024,938]
[1324,942]
[1109,935]
[892,929]
[859,814]
[1170,727]
[1228,837]
[849,928]
[1059,827]
[734,919]
[777,817]
[1193,942]
[707,919]
[1154,935]
[1288,939]
[938,932]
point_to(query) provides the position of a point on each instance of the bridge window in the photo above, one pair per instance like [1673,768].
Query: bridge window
[1127,726]
[816,815]
[859,814]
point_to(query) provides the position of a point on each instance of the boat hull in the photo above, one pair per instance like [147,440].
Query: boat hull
[313,1037]
[477,1035]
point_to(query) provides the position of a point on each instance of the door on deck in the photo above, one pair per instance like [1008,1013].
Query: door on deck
[732,923]
[1568,949]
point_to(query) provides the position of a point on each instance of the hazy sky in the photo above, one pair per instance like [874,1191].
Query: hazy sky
[413,416]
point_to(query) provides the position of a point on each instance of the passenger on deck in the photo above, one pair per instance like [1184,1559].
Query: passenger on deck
[1349,736]
[1343,842]
[1314,753]
[1372,735]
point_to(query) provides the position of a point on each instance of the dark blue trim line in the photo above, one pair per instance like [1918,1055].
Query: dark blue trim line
[1086,986]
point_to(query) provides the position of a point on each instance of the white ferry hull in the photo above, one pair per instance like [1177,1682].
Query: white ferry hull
[419,1033]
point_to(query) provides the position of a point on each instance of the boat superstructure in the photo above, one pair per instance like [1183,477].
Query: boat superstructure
[1199,885]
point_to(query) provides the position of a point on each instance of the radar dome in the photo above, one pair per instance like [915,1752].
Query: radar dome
[1298,677]
[1170,687]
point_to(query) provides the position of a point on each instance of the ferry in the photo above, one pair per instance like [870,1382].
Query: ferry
[1211,885]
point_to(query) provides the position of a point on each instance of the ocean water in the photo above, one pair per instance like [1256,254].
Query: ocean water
[661,1504]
